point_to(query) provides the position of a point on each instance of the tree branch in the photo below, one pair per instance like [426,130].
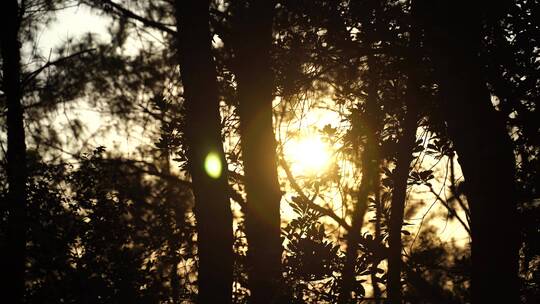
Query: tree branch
[311,204]
[119,10]
[49,63]
[450,209]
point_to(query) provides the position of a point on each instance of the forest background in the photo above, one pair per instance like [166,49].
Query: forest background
[270,151]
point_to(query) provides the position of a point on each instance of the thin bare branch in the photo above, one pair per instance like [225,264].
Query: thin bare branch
[49,63]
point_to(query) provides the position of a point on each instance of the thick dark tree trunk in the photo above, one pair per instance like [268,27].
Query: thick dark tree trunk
[255,93]
[487,160]
[14,247]
[483,147]
[203,138]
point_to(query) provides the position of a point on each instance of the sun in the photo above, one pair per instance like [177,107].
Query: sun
[308,155]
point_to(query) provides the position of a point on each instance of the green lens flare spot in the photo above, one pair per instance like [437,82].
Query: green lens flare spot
[212,165]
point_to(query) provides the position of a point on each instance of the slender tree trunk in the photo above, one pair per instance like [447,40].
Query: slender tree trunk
[370,170]
[399,194]
[255,93]
[401,172]
[14,252]
[377,237]
[174,241]
[483,147]
[175,279]
[203,139]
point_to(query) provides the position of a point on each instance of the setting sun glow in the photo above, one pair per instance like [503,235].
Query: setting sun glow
[308,155]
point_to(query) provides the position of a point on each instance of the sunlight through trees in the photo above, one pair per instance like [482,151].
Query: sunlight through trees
[264,152]
[309,155]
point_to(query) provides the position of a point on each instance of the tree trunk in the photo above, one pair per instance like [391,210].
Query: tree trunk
[203,139]
[487,160]
[174,241]
[377,238]
[483,147]
[14,252]
[401,172]
[255,93]
[399,195]
[370,129]
[370,169]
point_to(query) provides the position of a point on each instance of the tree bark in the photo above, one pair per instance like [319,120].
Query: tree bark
[404,158]
[14,252]
[399,195]
[255,93]
[203,136]
[483,146]
[377,238]
[174,242]
[370,129]
[370,166]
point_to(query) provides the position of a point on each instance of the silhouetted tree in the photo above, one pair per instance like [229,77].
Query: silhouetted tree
[480,143]
[252,43]
[14,246]
[404,157]
[115,226]
[203,139]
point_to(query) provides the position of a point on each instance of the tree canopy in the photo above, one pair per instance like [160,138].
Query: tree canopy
[255,151]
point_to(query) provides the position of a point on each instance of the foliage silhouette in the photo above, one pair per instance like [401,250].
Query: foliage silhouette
[429,110]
